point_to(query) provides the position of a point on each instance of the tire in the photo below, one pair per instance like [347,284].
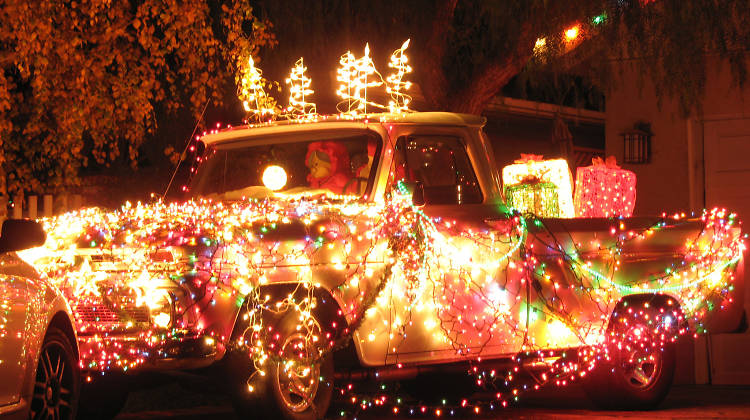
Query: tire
[57,381]
[639,370]
[103,397]
[286,392]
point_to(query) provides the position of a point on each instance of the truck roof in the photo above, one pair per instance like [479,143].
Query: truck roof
[335,121]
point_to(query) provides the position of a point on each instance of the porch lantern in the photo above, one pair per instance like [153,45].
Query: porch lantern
[637,144]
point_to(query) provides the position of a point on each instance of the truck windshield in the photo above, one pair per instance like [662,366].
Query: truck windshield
[261,169]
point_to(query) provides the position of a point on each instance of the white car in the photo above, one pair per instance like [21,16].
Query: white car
[39,372]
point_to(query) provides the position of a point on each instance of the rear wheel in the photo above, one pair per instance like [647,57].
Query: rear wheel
[57,379]
[638,368]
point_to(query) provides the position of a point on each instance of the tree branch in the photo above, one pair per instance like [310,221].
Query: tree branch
[493,76]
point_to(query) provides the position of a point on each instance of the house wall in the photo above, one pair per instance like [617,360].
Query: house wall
[674,179]
[661,183]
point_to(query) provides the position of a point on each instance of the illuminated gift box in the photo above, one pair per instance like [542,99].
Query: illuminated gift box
[540,198]
[604,190]
[531,170]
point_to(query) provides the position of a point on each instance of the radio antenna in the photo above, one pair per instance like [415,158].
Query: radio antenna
[184,151]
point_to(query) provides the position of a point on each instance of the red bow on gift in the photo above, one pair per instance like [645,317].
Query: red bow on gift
[610,163]
[528,158]
[534,177]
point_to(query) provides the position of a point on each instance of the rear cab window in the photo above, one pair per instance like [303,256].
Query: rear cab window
[442,166]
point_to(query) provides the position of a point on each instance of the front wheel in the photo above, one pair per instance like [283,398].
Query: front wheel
[57,379]
[297,381]
[636,369]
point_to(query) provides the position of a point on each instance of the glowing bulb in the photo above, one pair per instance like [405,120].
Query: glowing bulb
[162,320]
[572,33]
[540,45]
[274,177]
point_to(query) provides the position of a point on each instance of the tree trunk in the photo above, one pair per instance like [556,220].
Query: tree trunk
[432,81]
[490,79]
[473,97]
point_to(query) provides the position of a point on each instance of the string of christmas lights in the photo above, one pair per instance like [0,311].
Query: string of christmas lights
[356,76]
[150,271]
[395,84]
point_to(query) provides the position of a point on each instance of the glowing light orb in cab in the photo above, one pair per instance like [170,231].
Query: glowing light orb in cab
[274,177]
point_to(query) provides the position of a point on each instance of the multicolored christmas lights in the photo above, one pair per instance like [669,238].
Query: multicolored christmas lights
[604,190]
[144,277]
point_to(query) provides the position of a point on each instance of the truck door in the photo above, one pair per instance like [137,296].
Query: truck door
[460,300]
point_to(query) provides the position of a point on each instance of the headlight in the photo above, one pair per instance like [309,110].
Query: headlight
[162,319]
[163,310]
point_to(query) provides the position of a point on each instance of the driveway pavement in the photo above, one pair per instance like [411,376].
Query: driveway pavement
[683,402]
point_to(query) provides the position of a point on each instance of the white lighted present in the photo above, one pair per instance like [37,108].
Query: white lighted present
[555,171]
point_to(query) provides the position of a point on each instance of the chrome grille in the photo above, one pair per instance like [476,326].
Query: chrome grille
[104,314]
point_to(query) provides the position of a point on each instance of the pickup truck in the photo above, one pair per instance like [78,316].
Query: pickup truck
[313,255]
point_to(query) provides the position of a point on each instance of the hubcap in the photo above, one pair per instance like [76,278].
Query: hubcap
[53,386]
[642,358]
[297,375]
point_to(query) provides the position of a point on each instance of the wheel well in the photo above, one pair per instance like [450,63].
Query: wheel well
[61,321]
[652,302]
[327,309]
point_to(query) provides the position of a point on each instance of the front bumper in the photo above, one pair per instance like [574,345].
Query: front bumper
[148,351]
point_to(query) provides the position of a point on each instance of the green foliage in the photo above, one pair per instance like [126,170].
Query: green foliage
[83,79]
[671,43]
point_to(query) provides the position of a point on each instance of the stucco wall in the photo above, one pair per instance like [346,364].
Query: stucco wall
[661,184]
[674,179]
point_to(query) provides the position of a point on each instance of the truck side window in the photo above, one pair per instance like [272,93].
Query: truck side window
[441,164]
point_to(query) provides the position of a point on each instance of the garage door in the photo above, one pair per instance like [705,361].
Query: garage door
[727,165]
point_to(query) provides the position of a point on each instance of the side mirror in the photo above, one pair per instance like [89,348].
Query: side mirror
[18,234]
[417,196]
